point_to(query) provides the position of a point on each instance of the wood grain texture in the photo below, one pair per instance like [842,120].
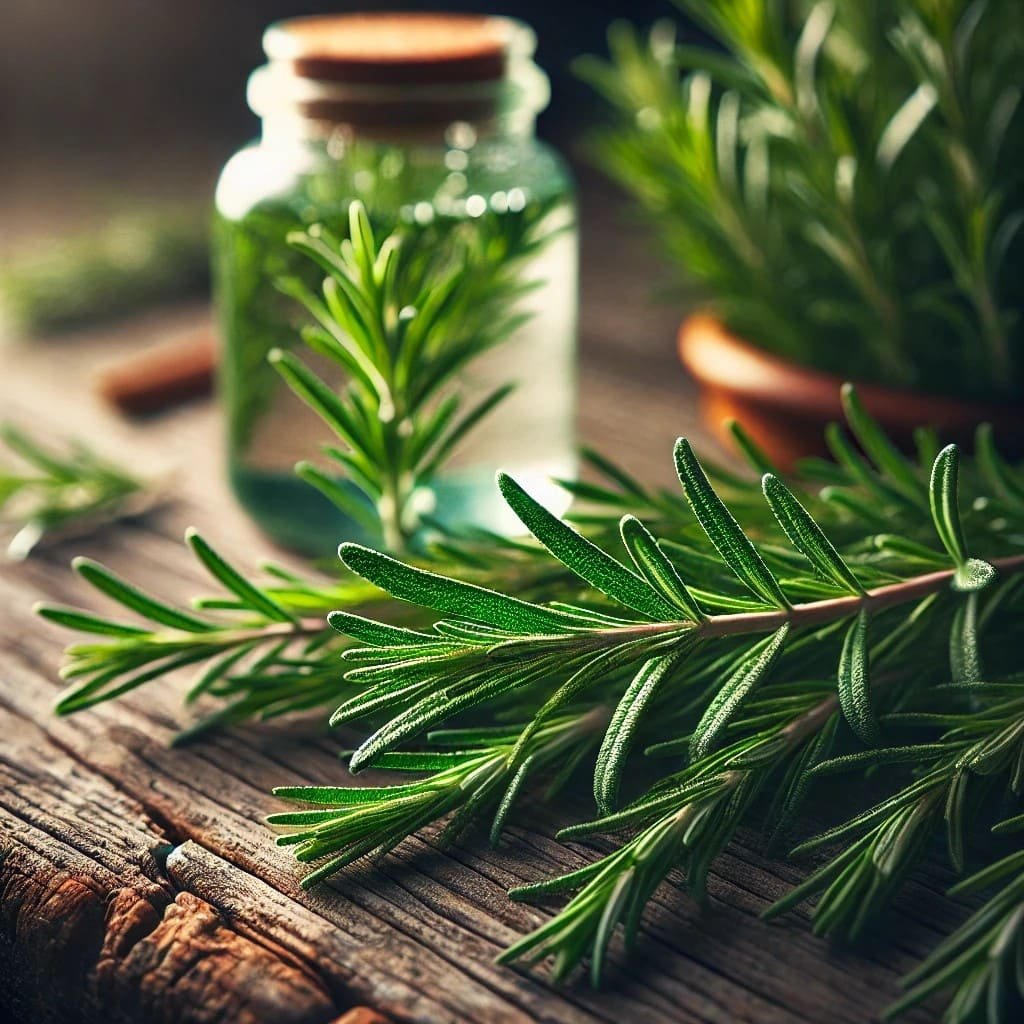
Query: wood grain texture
[137,883]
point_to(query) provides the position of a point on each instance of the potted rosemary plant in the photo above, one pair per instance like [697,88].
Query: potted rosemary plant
[841,184]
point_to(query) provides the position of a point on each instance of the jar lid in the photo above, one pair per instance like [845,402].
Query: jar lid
[397,48]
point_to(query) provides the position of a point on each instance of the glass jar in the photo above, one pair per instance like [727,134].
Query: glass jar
[428,120]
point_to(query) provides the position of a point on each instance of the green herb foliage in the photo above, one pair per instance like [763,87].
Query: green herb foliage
[840,179]
[263,649]
[981,960]
[387,290]
[402,318]
[133,259]
[754,639]
[43,493]
[471,770]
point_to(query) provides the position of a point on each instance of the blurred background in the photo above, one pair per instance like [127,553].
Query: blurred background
[148,96]
[136,104]
[834,215]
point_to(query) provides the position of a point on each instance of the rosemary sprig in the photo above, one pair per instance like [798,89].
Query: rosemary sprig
[654,633]
[402,318]
[478,773]
[760,654]
[979,746]
[264,649]
[495,643]
[49,494]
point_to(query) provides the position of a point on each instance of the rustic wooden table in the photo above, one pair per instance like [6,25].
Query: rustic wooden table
[136,881]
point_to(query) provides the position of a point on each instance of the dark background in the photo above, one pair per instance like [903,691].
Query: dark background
[81,77]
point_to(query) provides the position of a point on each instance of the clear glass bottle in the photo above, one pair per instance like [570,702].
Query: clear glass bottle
[427,119]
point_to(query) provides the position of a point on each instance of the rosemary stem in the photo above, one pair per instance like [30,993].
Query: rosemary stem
[815,613]
[389,511]
[811,613]
[303,627]
[810,721]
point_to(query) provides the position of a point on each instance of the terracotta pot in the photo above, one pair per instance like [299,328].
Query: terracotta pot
[785,407]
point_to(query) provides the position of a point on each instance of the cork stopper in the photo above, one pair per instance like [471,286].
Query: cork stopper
[393,48]
[405,76]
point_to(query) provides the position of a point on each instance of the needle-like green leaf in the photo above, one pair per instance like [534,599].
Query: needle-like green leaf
[378,634]
[316,394]
[964,655]
[250,596]
[749,670]
[618,738]
[132,597]
[854,686]
[583,557]
[340,493]
[723,531]
[85,622]
[452,597]
[750,449]
[653,564]
[943,497]
[807,536]
[463,427]
[879,447]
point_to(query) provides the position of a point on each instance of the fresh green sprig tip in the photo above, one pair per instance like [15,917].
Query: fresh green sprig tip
[402,318]
[45,494]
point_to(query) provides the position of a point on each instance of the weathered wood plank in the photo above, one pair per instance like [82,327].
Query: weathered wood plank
[93,927]
[424,915]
